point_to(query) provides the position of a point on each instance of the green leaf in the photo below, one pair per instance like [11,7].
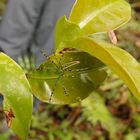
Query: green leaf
[95,16]
[66,78]
[117,59]
[65,31]
[17,95]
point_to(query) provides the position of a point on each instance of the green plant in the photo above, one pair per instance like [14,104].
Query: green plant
[65,79]
[71,74]
[95,110]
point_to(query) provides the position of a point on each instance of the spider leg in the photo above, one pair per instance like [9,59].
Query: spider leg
[62,77]
[55,84]
[43,53]
[47,57]
[63,85]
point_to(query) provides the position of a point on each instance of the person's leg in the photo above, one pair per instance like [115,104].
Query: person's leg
[44,35]
[17,25]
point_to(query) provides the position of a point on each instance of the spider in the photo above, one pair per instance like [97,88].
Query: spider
[67,77]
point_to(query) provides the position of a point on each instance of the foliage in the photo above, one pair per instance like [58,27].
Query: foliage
[63,80]
[94,109]
[99,16]
[75,28]
[128,69]
[17,96]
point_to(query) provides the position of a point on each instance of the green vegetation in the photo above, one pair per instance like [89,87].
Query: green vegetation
[111,112]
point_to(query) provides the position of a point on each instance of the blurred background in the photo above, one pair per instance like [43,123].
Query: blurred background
[110,113]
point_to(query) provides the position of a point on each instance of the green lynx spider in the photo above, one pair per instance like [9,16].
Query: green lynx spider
[72,73]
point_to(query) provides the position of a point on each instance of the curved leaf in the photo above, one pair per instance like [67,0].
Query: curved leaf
[66,78]
[95,16]
[117,59]
[17,95]
[65,31]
